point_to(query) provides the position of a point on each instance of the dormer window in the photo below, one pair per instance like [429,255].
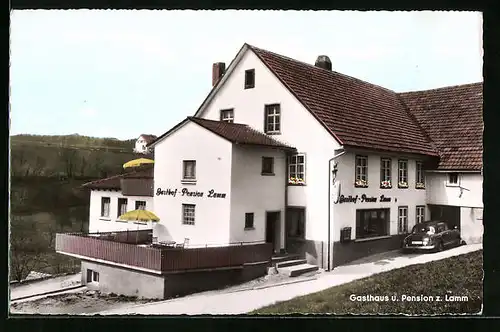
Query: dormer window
[227,115]
[249,79]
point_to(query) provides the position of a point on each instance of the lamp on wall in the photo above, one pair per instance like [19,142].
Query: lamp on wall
[462,191]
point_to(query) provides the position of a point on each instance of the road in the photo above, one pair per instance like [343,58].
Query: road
[224,302]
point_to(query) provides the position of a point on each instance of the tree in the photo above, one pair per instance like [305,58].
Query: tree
[83,166]
[68,157]
[27,248]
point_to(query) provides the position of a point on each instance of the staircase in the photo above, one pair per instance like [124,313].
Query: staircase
[291,266]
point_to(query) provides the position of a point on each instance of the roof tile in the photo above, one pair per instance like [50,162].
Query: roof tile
[452,117]
[358,113]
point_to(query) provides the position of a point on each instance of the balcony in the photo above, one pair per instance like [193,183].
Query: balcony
[134,249]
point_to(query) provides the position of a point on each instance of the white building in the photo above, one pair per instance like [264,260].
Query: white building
[142,142]
[319,163]
[111,197]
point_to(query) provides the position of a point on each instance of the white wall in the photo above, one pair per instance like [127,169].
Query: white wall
[213,171]
[439,193]
[344,214]
[253,192]
[102,224]
[298,128]
[471,224]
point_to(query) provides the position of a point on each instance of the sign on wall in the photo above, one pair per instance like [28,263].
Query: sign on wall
[363,199]
[189,193]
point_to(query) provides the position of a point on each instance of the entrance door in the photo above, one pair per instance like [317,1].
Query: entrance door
[272,226]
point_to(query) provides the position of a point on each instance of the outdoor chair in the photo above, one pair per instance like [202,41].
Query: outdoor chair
[184,244]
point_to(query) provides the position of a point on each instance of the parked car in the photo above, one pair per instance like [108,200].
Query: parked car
[432,236]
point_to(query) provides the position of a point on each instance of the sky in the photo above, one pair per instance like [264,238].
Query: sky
[111,73]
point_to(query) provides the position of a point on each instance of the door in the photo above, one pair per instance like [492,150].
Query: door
[272,223]
[443,232]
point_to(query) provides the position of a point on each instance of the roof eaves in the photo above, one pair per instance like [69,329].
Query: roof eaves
[161,137]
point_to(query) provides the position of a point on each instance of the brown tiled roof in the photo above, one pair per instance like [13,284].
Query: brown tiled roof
[240,133]
[357,113]
[114,182]
[453,118]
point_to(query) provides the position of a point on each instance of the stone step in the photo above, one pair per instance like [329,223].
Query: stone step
[291,262]
[296,270]
[283,258]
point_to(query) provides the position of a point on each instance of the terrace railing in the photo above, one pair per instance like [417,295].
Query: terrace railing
[162,259]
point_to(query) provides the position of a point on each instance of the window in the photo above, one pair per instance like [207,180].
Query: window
[188,214]
[297,169]
[272,123]
[249,78]
[92,276]
[249,220]
[419,181]
[453,179]
[140,205]
[227,115]
[105,203]
[361,172]
[189,170]
[122,206]
[268,165]
[296,223]
[403,173]
[420,214]
[372,223]
[402,219]
[385,173]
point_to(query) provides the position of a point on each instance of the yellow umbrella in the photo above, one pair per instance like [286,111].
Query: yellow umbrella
[139,215]
[138,162]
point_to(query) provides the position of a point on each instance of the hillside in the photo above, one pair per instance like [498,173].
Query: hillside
[70,156]
[46,195]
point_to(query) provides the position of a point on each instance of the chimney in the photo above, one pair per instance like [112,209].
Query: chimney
[324,62]
[218,70]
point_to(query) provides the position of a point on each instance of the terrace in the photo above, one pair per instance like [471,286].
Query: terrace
[136,250]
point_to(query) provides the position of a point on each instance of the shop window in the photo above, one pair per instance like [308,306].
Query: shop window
[372,223]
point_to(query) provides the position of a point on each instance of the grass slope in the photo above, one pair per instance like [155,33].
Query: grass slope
[459,276]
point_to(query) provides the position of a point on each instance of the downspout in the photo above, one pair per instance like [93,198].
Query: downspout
[329,203]
[285,214]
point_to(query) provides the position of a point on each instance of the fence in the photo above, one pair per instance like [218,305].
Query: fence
[161,259]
